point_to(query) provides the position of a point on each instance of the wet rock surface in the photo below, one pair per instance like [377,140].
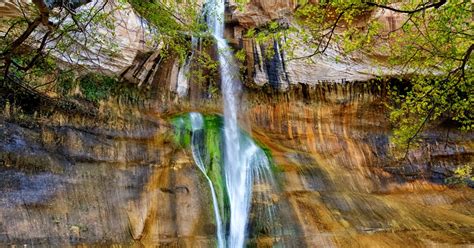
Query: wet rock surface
[67,186]
[339,184]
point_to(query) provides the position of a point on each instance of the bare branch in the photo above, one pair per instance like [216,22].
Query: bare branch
[44,11]
[23,11]
[418,130]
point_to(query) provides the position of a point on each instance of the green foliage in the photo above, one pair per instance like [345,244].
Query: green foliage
[435,45]
[429,99]
[322,23]
[241,4]
[174,21]
[213,153]
[65,82]
[206,62]
[432,46]
[268,34]
[463,175]
[240,55]
[97,87]
[67,35]
[215,171]
[206,68]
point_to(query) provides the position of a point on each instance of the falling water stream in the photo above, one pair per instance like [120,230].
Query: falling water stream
[197,143]
[183,74]
[245,164]
[237,171]
[254,164]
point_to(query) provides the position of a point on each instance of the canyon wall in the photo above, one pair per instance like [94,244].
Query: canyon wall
[130,48]
[122,43]
[120,179]
[126,182]
[280,70]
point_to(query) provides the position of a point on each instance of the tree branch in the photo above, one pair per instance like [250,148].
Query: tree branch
[44,11]
[421,7]
[466,58]
[330,33]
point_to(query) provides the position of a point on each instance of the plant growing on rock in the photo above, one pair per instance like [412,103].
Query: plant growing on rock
[48,36]
[462,176]
[430,44]
[174,23]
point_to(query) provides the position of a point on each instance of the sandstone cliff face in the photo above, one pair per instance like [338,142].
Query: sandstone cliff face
[67,182]
[342,183]
[10,8]
[260,12]
[122,181]
[280,70]
[128,36]
[67,186]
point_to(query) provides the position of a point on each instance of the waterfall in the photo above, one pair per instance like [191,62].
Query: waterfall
[183,82]
[205,136]
[244,163]
[238,156]
[197,146]
[183,74]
